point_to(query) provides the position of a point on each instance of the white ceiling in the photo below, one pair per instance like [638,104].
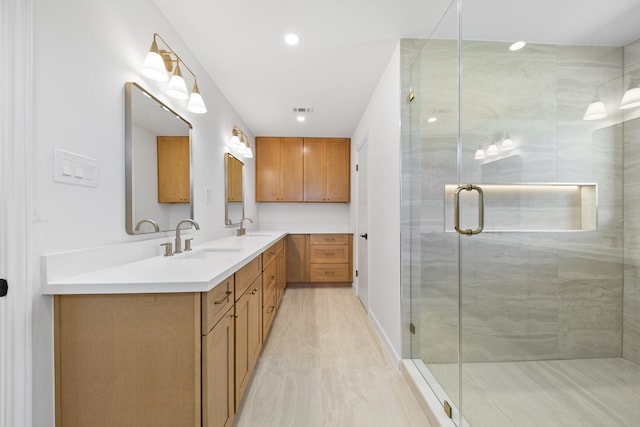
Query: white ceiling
[346,44]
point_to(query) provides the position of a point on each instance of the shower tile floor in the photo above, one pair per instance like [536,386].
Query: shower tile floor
[553,393]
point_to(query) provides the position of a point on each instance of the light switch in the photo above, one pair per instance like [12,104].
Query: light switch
[71,168]
[66,167]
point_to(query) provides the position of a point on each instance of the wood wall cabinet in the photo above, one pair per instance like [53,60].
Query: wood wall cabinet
[320,258]
[279,172]
[303,170]
[174,176]
[326,170]
[233,168]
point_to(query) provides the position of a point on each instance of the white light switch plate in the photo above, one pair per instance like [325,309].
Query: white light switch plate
[71,168]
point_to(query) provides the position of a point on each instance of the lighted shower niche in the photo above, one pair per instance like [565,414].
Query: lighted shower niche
[526,207]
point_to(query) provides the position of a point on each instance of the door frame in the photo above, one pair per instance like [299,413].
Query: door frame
[359,231]
[16,324]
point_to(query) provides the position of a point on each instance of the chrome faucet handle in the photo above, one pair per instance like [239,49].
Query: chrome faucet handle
[242,231]
[168,250]
[192,223]
[187,244]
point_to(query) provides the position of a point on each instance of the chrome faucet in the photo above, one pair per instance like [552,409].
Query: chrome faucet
[178,247]
[242,231]
[150,221]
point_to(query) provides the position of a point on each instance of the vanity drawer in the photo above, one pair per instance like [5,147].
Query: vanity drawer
[331,239]
[269,278]
[268,313]
[246,275]
[216,303]
[329,254]
[330,273]
[269,255]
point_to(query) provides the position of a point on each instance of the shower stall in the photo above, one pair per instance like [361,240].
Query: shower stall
[521,218]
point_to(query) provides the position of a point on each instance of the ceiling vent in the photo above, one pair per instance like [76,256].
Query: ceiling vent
[303,109]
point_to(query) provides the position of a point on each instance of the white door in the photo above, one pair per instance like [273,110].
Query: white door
[362,226]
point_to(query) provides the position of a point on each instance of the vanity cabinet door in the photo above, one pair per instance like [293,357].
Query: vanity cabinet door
[173,169]
[128,360]
[218,398]
[248,329]
[297,258]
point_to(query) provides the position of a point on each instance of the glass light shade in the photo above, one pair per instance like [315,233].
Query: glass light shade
[480,154]
[196,103]
[234,141]
[631,98]
[248,153]
[177,88]
[154,68]
[507,143]
[596,110]
[493,149]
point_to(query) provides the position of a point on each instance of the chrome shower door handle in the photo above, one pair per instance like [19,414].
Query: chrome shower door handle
[456,209]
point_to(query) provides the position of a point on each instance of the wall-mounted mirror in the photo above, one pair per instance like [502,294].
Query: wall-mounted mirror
[158,164]
[234,199]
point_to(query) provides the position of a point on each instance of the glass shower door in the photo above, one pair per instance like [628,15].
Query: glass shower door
[541,243]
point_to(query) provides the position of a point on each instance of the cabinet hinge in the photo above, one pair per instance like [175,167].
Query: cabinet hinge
[412,328]
[447,409]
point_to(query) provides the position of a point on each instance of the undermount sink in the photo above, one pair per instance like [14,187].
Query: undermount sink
[202,253]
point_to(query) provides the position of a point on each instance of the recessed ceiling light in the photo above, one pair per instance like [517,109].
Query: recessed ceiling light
[517,46]
[292,39]
[300,118]
[432,119]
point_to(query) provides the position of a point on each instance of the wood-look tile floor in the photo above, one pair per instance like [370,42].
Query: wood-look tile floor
[324,365]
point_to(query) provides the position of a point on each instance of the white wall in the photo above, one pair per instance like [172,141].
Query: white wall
[380,125]
[84,52]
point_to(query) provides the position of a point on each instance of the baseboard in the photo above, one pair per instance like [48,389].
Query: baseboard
[395,357]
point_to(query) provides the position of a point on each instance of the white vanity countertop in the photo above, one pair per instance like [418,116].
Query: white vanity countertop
[199,270]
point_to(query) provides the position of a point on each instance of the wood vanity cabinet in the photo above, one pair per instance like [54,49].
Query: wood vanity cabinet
[168,359]
[174,182]
[128,360]
[320,258]
[279,172]
[326,170]
[281,267]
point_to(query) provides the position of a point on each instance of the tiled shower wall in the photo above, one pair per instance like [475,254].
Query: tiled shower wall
[525,295]
[631,308]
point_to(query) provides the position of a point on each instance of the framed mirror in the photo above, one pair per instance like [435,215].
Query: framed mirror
[159,193]
[234,189]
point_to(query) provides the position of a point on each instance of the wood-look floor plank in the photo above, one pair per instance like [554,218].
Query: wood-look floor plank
[324,365]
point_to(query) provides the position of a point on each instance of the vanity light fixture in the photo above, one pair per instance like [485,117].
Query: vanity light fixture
[240,142]
[507,142]
[595,111]
[631,97]
[159,63]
